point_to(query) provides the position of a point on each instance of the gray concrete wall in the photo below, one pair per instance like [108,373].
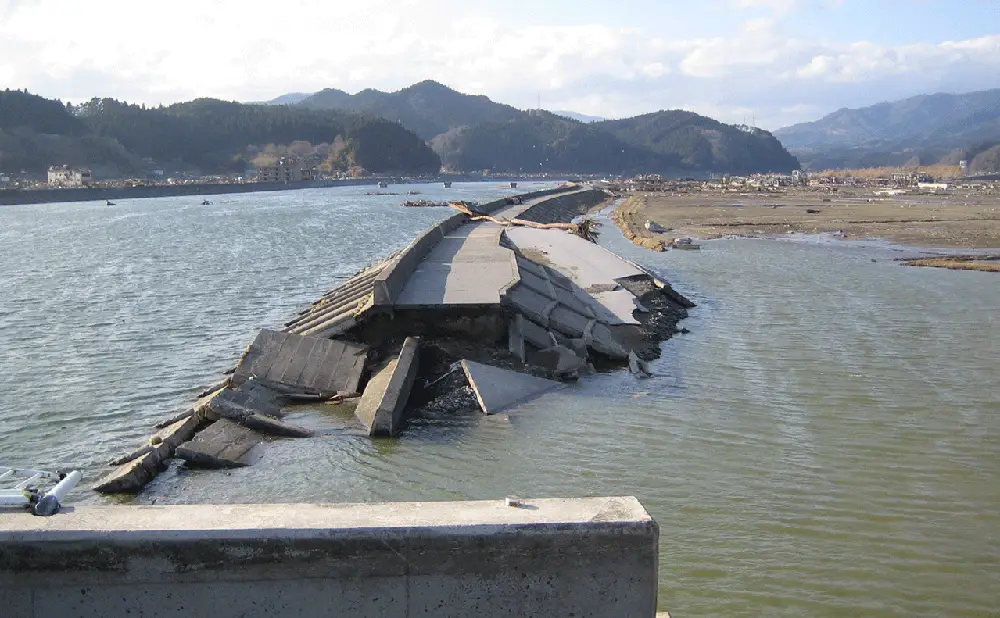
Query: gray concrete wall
[578,557]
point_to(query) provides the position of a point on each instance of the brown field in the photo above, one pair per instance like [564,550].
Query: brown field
[963,220]
[956,263]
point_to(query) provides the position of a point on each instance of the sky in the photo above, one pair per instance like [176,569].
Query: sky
[767,62]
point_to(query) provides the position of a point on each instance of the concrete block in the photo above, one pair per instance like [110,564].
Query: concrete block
[310,364]
[591,557]
[531,304]
[497,389]
[224,408]
[564,361]
[383,404]
[515,340]
[534,334]
[616,307]
[223,444]
[16,602]
[131,476]
[568,322]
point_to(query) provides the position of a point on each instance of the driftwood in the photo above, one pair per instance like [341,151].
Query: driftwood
[341,397]
[586,229]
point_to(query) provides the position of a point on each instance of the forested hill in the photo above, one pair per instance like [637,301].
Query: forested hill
[543,142]
[473,133]
[206,134]
[695,142]
[665,142]
[920,130]
[426,108]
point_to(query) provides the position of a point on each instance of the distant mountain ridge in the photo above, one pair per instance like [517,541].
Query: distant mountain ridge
[206,134]
[577,116]
[427,108]
[924,128]
[472,132]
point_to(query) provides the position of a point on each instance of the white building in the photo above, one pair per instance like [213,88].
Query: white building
[285,171]
[66,177]
[932,186]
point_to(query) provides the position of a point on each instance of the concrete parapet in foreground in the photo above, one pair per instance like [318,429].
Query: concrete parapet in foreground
[554,557]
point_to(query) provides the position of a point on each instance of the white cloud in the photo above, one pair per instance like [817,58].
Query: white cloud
[252,50]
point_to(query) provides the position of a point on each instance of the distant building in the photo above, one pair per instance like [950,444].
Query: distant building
[285,171]
[5,179]
[66,177]
[933,186]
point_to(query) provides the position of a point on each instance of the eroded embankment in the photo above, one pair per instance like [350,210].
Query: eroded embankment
[983,263]
[958,220]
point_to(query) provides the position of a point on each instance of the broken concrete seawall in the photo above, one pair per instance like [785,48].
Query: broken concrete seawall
[589,557]
[485,310]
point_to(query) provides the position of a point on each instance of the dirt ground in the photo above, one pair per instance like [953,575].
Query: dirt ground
[970,221]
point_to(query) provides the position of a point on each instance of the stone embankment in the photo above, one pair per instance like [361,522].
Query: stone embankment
[476,313]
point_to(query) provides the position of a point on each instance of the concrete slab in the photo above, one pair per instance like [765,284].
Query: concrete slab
[466,267]
[568,322]
[582,261]
[302,363]
[140,466]
[223,444]
[222,407]
[534,334]
[383,404]
[586,557]
[131,476]
[531,304]
[498,389]
[617,306]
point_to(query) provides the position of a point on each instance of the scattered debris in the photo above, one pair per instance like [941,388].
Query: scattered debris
[655,227]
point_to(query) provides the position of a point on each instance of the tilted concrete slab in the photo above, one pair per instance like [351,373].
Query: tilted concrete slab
[534,334]
[301,363]
[140,466]
[588,557]
[618,306]
[497,389]
[382,405]
[582,261]
[223,444]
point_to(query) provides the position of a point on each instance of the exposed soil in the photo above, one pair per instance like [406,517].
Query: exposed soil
[989,263]
[969,221]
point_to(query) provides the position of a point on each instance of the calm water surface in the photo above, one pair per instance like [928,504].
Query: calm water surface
[823,443]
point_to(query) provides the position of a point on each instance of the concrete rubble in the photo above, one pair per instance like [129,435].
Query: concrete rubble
[478,312]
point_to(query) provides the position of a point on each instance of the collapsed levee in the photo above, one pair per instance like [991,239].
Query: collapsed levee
[561,308]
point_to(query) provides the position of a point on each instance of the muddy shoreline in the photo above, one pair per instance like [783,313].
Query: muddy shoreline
[965,221]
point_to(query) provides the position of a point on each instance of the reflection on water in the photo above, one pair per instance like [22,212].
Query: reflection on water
[824,442]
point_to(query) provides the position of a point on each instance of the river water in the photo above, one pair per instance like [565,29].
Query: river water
[824,442]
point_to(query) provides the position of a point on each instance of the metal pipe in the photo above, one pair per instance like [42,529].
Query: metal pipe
[50,502]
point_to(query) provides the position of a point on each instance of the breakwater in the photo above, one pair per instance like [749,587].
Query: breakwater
[466,294]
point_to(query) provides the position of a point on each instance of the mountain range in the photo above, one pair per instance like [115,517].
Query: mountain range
[926,129]
[472,132]
[207,135]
